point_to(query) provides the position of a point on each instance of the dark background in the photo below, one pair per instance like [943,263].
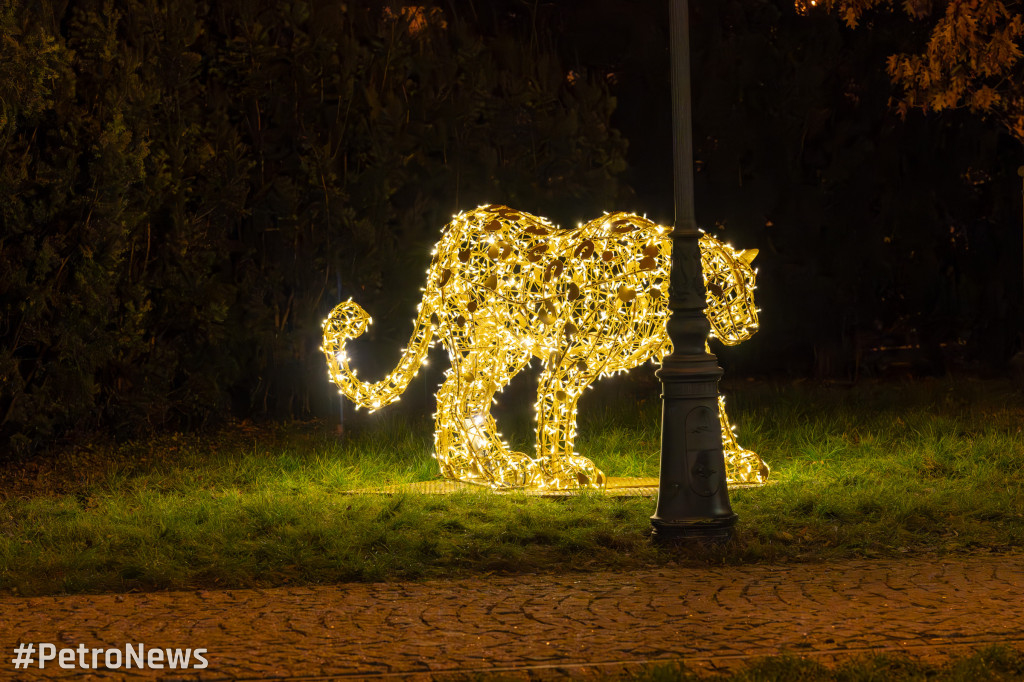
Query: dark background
[187,188]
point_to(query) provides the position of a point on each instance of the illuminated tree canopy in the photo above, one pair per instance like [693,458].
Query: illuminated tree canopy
[506,288]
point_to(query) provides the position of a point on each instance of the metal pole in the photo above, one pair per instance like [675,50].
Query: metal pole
[1020,353]
[693,501]
[1020,172]
[341,399]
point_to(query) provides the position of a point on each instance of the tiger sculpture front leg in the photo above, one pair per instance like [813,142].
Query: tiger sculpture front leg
[557,394]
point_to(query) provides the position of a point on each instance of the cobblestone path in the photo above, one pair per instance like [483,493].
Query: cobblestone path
[540,627]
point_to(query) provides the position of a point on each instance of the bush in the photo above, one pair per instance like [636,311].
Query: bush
[186,188]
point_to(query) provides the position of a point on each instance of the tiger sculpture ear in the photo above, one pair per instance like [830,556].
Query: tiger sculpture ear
[748,255]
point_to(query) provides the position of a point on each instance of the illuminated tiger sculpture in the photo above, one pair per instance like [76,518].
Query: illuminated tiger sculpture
[505,287]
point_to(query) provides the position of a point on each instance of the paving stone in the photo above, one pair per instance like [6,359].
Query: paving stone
[585,626]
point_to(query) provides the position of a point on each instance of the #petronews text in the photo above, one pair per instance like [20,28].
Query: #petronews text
[133,656]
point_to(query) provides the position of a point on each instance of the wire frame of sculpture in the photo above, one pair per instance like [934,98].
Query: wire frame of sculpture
[505,288]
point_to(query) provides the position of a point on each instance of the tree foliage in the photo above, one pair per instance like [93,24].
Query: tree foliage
[972,56]
[886,246]
[874,233]
[187,187]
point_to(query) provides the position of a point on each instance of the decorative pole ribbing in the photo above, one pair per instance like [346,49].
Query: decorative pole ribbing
[693,501]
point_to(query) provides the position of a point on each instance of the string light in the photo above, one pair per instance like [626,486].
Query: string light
[504,288]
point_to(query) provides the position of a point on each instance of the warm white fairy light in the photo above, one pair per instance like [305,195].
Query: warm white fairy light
[505,287]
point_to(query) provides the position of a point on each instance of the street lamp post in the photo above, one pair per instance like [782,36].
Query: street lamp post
[1020,172]
[693,500]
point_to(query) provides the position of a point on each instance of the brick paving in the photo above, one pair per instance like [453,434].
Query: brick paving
[545,627]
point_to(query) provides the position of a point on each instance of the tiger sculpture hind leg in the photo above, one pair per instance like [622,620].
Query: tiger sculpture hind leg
[467,444]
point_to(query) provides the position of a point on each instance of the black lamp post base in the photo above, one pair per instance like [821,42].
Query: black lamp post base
[693,499]
[704,530]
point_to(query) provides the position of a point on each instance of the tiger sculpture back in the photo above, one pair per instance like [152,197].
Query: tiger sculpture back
[504,288]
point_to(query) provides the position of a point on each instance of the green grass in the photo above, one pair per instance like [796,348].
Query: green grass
[870,471]
[993,664]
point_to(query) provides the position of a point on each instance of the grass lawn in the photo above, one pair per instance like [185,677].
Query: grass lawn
[875,470]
